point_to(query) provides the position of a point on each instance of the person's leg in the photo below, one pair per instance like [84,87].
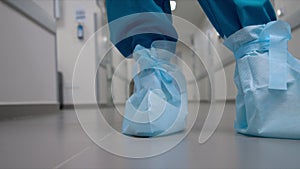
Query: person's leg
[229,16]
[125,30]
[268,87]
[143,28]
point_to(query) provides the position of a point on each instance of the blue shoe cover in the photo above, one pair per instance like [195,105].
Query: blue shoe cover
[158,105]
[267,77]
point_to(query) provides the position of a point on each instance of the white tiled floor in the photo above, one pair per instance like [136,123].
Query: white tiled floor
[58,141]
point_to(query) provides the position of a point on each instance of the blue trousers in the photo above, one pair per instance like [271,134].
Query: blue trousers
[227,16]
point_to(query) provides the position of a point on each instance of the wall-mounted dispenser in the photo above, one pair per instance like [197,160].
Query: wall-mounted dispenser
[80,31]
[80,18]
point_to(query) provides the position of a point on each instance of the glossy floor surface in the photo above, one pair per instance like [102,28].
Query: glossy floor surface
[57,140]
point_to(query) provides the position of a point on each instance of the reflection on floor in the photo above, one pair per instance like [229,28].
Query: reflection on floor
[57,140]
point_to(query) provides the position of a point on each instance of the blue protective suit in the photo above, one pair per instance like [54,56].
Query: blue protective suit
[158,105]
[227,16]
[119,8]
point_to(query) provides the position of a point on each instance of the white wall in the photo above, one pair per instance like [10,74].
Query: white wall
[294,43]
[120,85]
[189,63]
[47,6]
[69,47]
[203,47]
[27,61]
[290,7]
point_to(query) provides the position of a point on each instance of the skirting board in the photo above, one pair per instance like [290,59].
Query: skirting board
[9,112]
[88,106]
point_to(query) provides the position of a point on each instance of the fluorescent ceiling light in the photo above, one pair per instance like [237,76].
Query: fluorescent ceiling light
[173,5]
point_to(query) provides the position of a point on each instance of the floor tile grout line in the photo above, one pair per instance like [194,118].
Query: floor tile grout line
[71,158]
[107,135]
[79,153]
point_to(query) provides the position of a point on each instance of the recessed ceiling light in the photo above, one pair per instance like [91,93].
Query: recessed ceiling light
[280,12]
[173,5]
